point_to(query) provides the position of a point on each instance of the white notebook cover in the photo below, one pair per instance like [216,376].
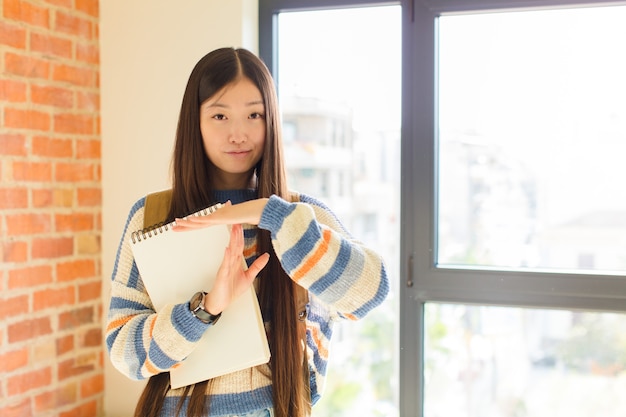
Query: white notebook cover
[174,266]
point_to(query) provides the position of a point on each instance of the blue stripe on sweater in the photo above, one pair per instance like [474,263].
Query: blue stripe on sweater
[225,404]
[336,272]
[320,363]
[159,358]
[334,286]
[140,352]
[379,297]
[292,257]
[111,338]
[274,214]
[124,307]
[186,324]
[139,204]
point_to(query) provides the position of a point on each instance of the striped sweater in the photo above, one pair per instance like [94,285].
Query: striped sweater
[345,280]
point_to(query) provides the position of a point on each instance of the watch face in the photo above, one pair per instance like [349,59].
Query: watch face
[195,300]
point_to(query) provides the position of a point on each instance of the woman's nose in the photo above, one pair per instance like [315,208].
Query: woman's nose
[238,133]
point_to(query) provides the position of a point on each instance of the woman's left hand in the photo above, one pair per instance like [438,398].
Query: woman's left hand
[247,212]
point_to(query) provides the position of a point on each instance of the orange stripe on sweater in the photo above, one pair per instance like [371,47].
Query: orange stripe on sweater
[152,370]
[310,263]
[350,317]
[317,339]
[118,323]
[152,323]
[248,252]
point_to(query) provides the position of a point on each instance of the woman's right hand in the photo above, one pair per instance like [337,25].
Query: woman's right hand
[233,278]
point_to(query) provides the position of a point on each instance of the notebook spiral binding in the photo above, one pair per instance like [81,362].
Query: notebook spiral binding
[156,229]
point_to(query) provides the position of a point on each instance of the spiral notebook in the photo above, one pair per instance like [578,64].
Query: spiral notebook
[174,266]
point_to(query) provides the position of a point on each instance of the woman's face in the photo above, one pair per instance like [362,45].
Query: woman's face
[232,123]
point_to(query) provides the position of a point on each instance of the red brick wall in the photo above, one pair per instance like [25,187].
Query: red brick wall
[51,356]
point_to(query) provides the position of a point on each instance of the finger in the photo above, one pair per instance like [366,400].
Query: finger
[257,266]
[236,238]
[181,225]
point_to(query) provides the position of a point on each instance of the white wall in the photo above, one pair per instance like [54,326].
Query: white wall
[148,48]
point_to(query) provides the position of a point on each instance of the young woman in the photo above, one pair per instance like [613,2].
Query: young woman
[228,149]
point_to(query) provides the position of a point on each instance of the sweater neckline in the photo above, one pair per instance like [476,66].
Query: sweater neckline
[235,196]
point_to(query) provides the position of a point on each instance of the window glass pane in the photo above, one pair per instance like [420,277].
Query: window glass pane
[514,362]
[532,122]
[339,85]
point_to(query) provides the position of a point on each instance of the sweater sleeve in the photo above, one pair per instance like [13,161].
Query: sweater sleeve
[319,254]
[141,342]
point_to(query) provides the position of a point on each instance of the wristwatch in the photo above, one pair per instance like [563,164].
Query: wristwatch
[196,305]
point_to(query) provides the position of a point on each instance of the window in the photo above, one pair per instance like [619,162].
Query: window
[531,134]
[339,88]
[512,248]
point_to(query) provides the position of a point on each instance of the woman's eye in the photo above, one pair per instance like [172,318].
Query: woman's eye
[219,117]
[256,116]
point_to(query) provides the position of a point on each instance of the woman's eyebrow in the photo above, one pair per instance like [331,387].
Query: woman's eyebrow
[224,106]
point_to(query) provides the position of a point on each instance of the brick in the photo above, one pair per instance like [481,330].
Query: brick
[76,318]
[44,350]
[26,119]
[21,409]
[64,344]
[12,91]
[12,35]
[26,12]
[84,77]
[52,96]
[88,409]
[89,7]
[75,222]
[28,224]
[64,395]
[50,45]
[74,123]
[41,197]
[26,66]
[11,307]
[74,172]
[52,247]
[73,25]
[88,101]
[51,147]
[88,244]
[13,198]
[30,276]
[14,251]
[73,367]
[91,386]
[63,197]
[75,269]
[15,359]
[28,381]
[89,197]
[91,338]
[55,297]
[32,171]
[88,149]
[13,144]
[29,329]
[88,52]
[90,291]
